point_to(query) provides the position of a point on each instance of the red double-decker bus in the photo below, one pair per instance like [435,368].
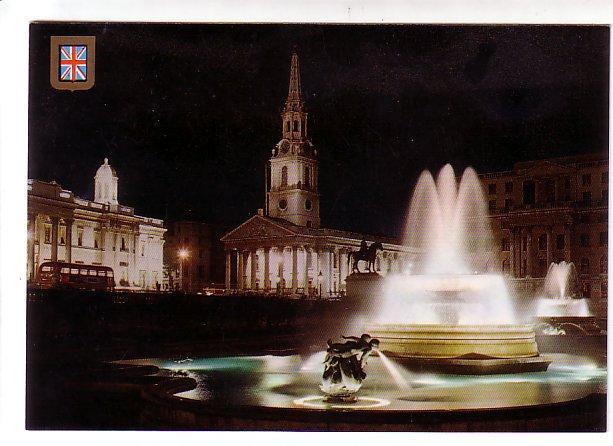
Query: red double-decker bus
[75,275]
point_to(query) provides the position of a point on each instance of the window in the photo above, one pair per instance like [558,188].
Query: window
[604,292]
[492,206]
[47,234]
[587,197]
[491,189]
[584,266]
[79,236]
[308,205]
[587,289]
[62,235]
[505,266]
[307,176]
[508,203]
[284,176]
[560,241]
[542,242]
[287,126]
[549,190]
[142,249]
[283,204]
[74,271]
[508,187]
[529,192]
[506,245]
[586,179]
[123,244]
[604,177]
[96,240]
[566,183]
[602,239]
[603,264]
[295,126]
[584,240]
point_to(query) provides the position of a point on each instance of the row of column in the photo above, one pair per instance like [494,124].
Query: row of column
[322,269]
[521,261]
[32,233]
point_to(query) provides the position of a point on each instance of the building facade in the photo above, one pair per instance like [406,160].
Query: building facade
[194,256]
[63,227]
[551,210]
[283,248]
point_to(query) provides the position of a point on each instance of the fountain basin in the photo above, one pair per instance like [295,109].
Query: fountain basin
[455,341]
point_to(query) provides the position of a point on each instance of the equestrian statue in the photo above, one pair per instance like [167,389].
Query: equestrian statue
[367,254]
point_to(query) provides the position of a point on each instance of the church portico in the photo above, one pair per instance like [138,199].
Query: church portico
[283,249]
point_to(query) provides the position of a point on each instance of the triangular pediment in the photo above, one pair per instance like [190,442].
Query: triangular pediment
[257,227]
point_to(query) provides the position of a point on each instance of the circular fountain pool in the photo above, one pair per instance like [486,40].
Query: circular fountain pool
[291,382]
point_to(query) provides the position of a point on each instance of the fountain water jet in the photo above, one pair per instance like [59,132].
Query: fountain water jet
[561,297]
[451,304]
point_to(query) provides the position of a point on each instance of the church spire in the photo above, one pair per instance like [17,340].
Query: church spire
[295,93]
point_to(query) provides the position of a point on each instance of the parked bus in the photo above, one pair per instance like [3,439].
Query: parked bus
[75,275]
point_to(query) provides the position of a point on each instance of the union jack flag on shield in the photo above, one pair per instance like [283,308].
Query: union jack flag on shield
[73,63]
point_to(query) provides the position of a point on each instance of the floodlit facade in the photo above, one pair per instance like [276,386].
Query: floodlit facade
[283,248]
[64,227]
[551,210]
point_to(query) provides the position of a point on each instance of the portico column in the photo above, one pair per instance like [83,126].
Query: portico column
[306,270]
[330,260]
[31,243]
[529,253]
[549,247]
[512,253]
[294,268]
[252,273]
[54,231]
[240,270]
[228,268]
[267,268]
[69,222]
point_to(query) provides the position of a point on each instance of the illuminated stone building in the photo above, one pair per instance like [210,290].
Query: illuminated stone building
[283,248]
[63,227]
[551,210]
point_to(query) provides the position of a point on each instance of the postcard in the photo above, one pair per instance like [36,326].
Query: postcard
[317,227]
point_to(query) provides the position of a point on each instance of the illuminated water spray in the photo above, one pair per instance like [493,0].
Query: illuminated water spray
[452,278]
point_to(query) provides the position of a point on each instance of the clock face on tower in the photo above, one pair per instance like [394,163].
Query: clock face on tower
[284,147]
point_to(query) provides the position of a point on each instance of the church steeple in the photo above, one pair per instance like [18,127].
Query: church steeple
[294,97]
[294,116]
[293,167]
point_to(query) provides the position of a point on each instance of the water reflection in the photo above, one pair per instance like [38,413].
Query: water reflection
[278,381]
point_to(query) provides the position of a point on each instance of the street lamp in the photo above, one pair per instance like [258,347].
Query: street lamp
[183,254]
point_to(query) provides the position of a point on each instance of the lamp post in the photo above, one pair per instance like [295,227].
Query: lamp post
[319,276]
[183,254]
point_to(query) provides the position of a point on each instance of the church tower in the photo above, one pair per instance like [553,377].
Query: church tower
[293,192]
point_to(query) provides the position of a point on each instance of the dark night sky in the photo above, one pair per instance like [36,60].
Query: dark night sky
[188,114]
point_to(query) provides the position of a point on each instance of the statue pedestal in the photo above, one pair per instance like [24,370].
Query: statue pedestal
[364,286]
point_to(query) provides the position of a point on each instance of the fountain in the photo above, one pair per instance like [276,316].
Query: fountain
[447,349]
[561,297]
[561,308]
[450,308]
